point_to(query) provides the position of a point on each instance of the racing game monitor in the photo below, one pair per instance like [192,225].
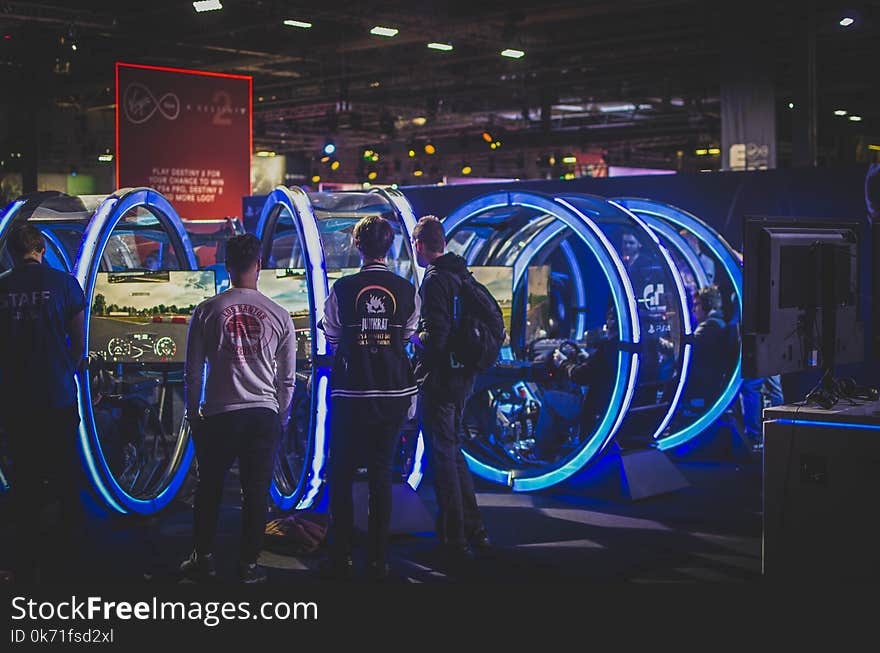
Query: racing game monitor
[800,296]
[498,280]
[290,288]
[537,302]
[143,317]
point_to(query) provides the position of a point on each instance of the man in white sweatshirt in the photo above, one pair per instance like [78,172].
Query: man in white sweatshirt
[241,348]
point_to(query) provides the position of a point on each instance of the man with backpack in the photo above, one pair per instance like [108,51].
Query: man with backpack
[447,328]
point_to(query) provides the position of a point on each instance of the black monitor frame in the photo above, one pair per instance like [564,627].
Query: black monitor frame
[795,332]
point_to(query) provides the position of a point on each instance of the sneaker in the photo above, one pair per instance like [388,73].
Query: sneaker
[199,568]
[480,543]
[377,571]
[253,574]
[336,568]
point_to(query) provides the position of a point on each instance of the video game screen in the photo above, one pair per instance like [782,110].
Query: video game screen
[538,302]
[499,282]
[143,317]
[333,275]
[290,288]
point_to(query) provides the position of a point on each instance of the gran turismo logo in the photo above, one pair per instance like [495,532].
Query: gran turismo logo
[139,104]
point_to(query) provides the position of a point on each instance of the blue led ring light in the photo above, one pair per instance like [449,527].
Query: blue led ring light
[724,253]
[625,307]
[407,218]
[85,269]
[296,202]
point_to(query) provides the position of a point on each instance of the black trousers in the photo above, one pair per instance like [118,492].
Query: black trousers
[46,469]
[357,436]
[459,516]
[250,435]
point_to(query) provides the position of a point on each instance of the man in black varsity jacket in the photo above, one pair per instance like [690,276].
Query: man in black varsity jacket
[368,319]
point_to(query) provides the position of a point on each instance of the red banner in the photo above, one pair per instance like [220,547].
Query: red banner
[186,133]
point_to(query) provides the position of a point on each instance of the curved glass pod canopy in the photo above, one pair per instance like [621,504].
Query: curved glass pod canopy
[324,222]
[208,238]
[705,258]
[60,217]
[665,352]
[523,232]
[294,275]
[132,265]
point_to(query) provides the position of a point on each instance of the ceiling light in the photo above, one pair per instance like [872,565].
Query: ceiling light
[417,173]
[487,137]
[73,46]
[372,175]
[856,118]
[512,54]
[368,154]
[615,108]
[265,153]
[429,148]
[847,21]
[791,105]
[105,158]
[445,47]
[325,159]
[466,170]
[329,148]
[840,112]
[569,159]
[701,152]
[207,5]
[714,151]
[411,153]
[419,121]
[334,165]
[378,30]
[297,23]
[316,179]
[876,148]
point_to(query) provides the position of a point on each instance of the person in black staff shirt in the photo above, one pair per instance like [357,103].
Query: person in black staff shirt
[446,385]
[41,346]
[368,319]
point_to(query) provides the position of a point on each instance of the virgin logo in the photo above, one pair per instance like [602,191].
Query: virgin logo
[139,104]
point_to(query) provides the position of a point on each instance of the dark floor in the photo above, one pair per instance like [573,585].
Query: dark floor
[707,531]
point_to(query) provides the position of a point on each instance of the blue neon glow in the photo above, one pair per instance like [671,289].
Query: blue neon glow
[621,291]
[408,223]
[8,214]
[830,425]
[58,249]
[568,251]
[629,293]
[684,311]
[88,261]
[296,203]
[675,240]
[724,253]
[621,396]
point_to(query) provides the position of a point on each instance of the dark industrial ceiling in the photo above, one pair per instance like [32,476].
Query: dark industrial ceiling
[637,79]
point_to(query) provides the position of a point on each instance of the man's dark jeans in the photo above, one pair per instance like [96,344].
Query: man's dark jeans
[250,435]
[459,517]
[46,468]
[355,439]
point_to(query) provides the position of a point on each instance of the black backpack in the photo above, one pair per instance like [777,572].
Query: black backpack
[477,327]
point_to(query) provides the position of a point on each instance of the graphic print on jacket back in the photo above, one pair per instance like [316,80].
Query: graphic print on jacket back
[243,330]
[374,304]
